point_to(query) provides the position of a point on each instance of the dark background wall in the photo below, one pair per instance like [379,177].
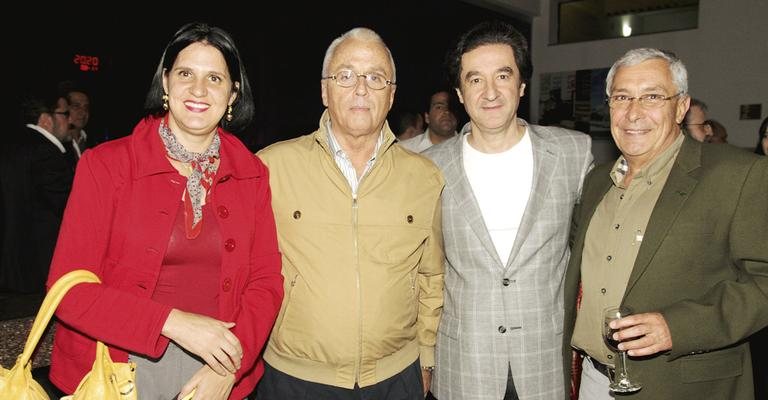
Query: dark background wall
[283,52]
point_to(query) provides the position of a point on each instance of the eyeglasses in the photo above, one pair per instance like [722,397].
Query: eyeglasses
[348,78]
[651,100]
[64,113]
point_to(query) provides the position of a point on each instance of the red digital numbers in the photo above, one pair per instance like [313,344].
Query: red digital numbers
[87,63]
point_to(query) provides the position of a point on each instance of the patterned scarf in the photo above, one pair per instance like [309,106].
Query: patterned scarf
[199,182]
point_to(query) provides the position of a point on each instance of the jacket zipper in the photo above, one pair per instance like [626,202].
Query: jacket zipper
[359,366]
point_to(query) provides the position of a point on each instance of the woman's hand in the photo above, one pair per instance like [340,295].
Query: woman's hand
[206,337]
[209,385]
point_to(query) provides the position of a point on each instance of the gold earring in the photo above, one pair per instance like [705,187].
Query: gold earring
[165,102]
[229,113]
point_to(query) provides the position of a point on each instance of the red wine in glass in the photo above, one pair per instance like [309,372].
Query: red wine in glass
[621,382]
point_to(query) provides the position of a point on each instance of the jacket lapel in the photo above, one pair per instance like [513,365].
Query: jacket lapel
[672,198]
[544,162]
[591,198]
[466,203]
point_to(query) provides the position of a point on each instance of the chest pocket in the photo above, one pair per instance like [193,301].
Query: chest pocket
[393,231]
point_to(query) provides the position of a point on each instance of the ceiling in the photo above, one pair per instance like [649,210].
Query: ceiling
[513,8]
[532,8]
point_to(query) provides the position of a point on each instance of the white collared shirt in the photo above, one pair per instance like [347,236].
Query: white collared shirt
[76,143]
[419,143]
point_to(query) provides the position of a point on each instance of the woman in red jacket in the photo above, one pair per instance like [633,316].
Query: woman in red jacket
[176,220]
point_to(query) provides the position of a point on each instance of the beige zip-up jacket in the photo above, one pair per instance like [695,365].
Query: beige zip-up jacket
[363,274]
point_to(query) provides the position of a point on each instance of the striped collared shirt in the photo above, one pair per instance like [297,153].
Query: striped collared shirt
[345,164]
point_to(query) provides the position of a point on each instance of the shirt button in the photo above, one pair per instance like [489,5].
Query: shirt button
[226,285]
[502,329]
[409,219]
[609,258]
[223,212]
[229,245]
[621,197]
[602,290]
[296,214]
[616,226]
[505,281]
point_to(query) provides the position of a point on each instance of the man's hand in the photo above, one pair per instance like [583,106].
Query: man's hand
[645,334]
[426,379]
[207,337]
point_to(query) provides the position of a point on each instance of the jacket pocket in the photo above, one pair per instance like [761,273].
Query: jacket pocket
[289,288]
[721,364]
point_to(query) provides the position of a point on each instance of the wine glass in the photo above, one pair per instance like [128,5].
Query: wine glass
[621,382]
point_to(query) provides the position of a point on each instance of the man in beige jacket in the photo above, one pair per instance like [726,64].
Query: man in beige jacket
[359,228]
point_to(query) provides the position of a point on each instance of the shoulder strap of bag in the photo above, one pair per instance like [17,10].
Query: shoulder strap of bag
[51,301]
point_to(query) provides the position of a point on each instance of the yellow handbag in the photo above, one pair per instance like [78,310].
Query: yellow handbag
[107,380]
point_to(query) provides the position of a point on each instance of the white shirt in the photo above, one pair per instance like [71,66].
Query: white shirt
[501,183]
[418,143]
[76,143]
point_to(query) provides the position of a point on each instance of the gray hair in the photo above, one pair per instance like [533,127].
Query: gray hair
[636,56]
[363,34]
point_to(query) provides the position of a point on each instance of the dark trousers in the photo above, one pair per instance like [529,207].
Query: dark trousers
[511,393]
[276,385]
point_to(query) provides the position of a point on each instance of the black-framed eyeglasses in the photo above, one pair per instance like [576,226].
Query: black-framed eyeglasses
[650,100]
[64,113]
[348,78]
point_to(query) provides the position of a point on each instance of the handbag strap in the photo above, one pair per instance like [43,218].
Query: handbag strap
[51,301]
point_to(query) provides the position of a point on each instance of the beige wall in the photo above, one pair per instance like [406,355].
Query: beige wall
[726,57]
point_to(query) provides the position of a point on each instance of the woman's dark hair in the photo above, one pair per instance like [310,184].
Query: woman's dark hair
[760,135]
[491,32]
[242,109]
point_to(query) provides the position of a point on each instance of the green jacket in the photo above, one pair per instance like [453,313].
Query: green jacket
[364,275]
[703,264]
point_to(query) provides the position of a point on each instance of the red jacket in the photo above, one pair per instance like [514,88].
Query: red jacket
[118,223]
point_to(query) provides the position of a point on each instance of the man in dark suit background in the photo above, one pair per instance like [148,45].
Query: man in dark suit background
[76,140]
[35,180]
[677,230]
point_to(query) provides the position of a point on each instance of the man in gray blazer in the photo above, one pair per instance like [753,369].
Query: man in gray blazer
[510,188]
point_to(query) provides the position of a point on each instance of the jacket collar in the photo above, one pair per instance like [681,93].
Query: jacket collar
[545,154]
[681,182]
[149,153]
[48,135]
[321,135]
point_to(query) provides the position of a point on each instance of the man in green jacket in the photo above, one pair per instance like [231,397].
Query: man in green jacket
[676,230]
[359,228]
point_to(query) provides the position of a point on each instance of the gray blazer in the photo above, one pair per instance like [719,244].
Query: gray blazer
[495,315]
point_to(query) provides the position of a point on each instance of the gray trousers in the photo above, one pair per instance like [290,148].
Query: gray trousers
[594,385]
[162,379]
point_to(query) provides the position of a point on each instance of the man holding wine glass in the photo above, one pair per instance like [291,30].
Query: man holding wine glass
[677,231]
